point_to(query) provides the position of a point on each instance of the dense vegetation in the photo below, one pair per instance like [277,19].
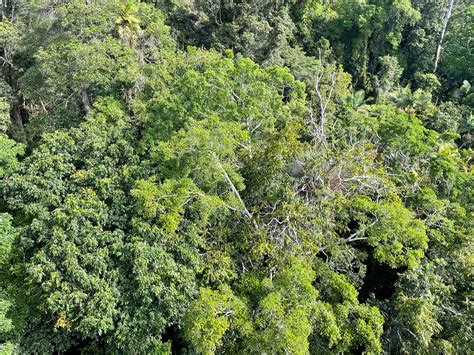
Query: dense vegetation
[219,176]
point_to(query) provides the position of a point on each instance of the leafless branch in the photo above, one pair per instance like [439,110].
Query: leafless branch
[235,192]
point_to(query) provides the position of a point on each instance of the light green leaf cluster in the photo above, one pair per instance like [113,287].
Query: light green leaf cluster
[284,314]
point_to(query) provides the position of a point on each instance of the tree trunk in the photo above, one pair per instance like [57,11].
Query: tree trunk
[17,117]
[85,101]
[447,15]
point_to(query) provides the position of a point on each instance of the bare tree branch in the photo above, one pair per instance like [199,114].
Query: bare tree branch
[323,101]
[236,192]
[447,15]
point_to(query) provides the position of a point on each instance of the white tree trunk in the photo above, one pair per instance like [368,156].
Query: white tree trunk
[447,15]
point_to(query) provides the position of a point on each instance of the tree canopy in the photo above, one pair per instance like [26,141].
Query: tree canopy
[202,177]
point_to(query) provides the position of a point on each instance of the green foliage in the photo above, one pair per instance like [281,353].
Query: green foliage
[397,237]
[458,42]
[87,50]
[236,177]
[388,77]
[7,236]
[9,150]
[78,264]
[352,325]
[287,315]
[211,316]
